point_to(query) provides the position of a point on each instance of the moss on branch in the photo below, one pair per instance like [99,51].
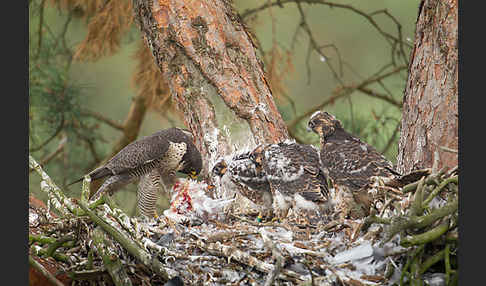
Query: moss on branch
[126,242]
[106,249]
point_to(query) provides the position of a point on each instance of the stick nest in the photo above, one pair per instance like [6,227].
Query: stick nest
[410,235]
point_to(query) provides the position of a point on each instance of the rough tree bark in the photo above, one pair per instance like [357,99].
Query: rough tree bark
[206,54]
[430,110]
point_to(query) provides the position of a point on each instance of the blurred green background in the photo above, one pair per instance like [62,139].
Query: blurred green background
[106,86]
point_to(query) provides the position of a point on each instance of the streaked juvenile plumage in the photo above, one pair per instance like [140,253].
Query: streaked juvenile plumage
[349,161]
[153,158]
[249,179]
[294,175]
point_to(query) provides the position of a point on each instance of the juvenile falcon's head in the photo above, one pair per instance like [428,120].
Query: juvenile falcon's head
[220,168]
[323,124]
[257,156]
[245,173]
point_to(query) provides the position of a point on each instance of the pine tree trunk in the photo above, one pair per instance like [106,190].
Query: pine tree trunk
[430,110]
[206,54]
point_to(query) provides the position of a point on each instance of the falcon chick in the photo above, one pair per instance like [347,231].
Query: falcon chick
[349,161]
[154,159]
[249,179]
[295,178]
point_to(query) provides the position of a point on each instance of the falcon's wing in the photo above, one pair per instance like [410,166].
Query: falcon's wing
[353,162]
[139,153]
[294,168]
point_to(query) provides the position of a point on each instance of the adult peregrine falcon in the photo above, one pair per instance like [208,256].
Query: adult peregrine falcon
[349,161]
[295,177]
[154,159]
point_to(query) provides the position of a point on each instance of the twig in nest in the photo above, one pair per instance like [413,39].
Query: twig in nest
[423,238]
[401,223]
[223,236]
[393,190]
[279,259]
[444,183]
[58,243]
[334,223]
[385,206]
[131,246]
[231,252]
[261,224]
[111,261]
[35,264]
[431,179]
[374,219]
[54,193]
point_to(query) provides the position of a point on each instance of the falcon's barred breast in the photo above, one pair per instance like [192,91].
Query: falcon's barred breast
[155,158]
[350,161]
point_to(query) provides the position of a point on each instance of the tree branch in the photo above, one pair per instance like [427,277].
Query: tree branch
[59,128]
[103,119]
[131,246]
[37,266]
[368,17]
[344,91]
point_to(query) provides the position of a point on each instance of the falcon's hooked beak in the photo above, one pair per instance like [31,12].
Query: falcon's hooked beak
[193,175]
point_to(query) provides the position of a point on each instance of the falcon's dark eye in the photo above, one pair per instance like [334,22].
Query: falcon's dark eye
[252,157]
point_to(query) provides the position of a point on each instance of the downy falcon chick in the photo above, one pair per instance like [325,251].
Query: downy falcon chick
[155,158]
[250,180]
[295,178]
[349,161]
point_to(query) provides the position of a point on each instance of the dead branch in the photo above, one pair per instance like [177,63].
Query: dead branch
[342,92]
[314,46]
[103,119]
[276,254]
[368,17]
[233,253]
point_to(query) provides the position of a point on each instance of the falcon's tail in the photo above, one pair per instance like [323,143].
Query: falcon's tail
[95,175]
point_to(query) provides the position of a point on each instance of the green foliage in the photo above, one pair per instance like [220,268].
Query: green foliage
[55,104]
